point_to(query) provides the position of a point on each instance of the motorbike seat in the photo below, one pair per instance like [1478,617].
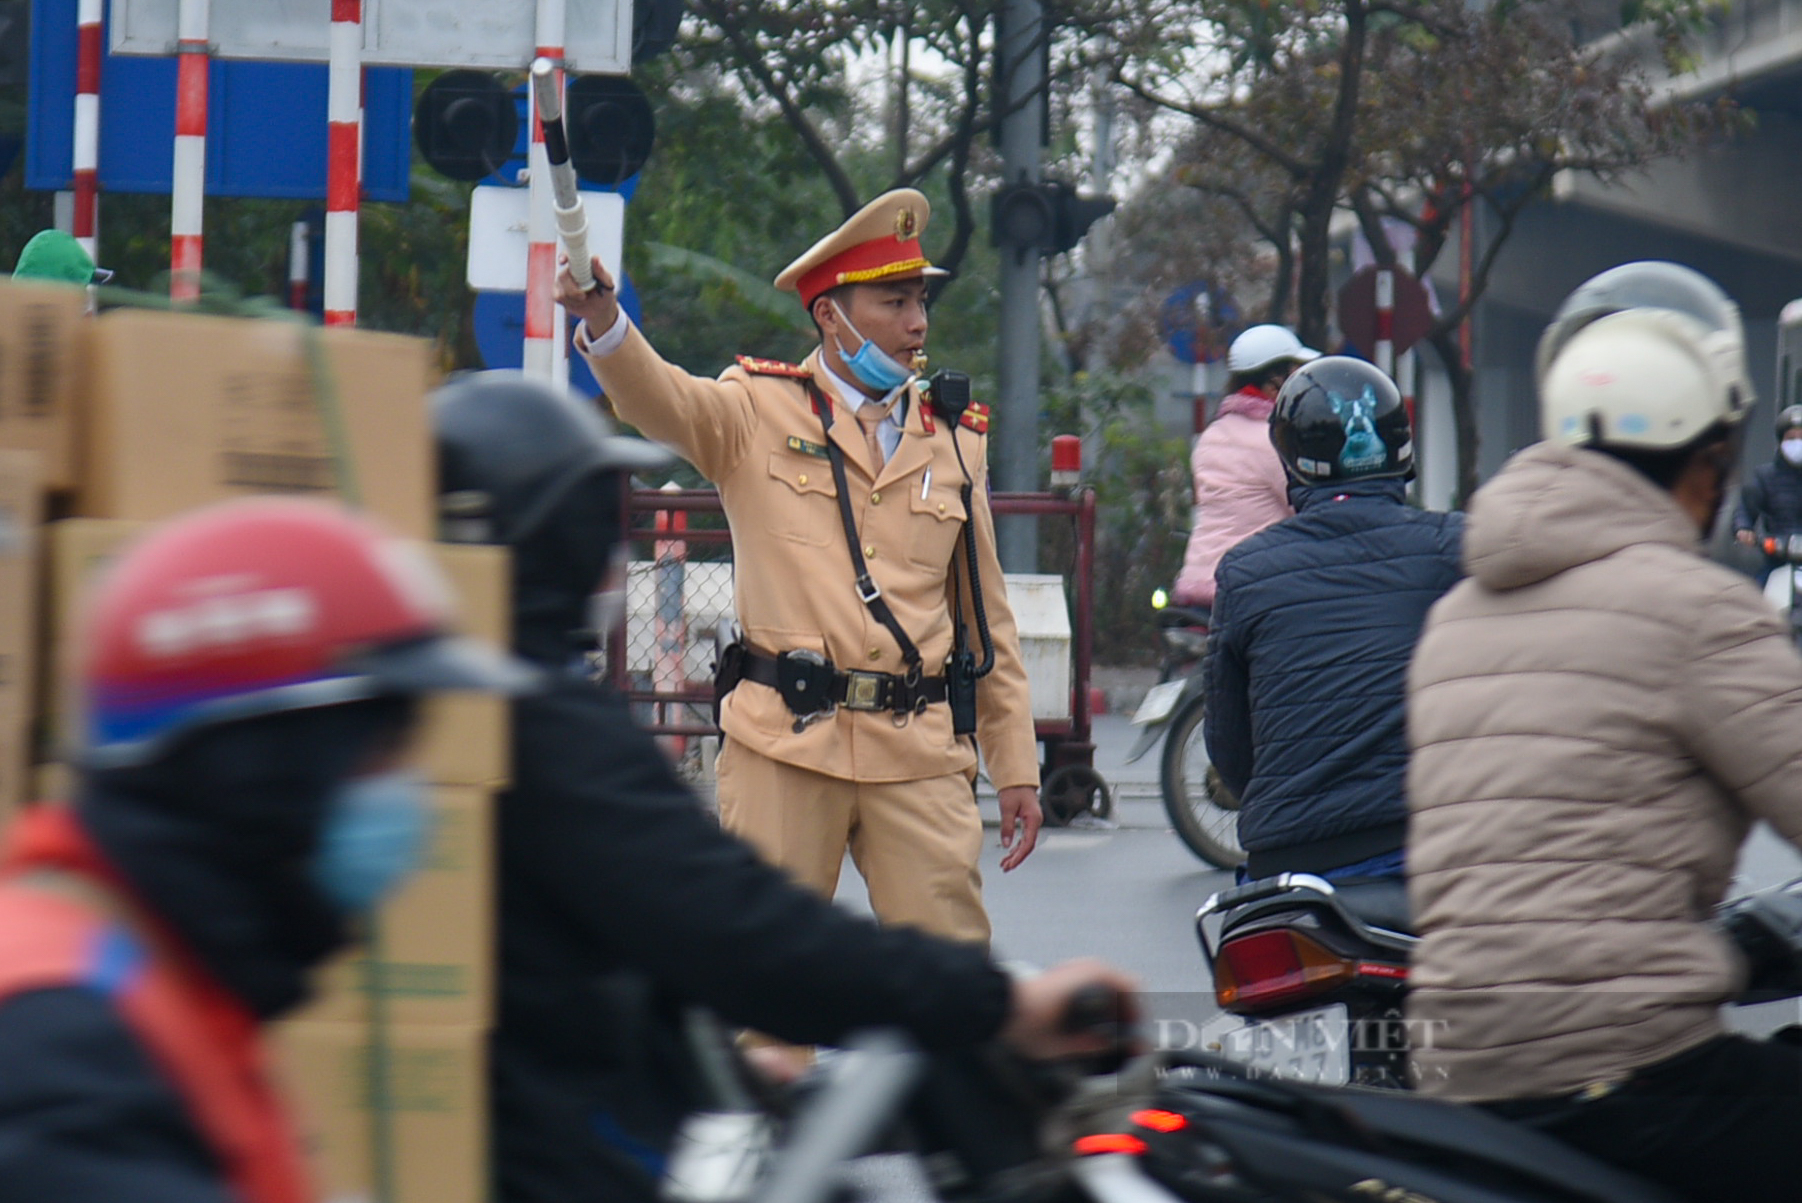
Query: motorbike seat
[1186,616]
[1381,902]
[1459,1145]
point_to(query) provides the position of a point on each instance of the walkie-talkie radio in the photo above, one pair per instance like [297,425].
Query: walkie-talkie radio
[948,394]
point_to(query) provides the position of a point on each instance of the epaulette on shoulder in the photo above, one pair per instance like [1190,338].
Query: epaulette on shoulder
[773,367]
[976,417]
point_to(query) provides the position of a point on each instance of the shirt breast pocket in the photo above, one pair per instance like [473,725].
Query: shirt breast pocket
[803,502]
[938,518]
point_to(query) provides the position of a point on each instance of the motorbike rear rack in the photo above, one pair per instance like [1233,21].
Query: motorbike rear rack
[1275,893]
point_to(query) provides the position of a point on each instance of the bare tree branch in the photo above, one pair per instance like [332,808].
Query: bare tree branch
[1267,147]
[753,61]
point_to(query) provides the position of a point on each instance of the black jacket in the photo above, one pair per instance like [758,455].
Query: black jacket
[622,902]
[1315,620]
[1771,502]
[215,840]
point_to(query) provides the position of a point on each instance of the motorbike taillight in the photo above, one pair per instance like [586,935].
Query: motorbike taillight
[1273,968]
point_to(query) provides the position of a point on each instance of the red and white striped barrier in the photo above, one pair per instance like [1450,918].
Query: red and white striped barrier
[546,352]
[87,127]
[1385,348]
[187,191]
[344,161]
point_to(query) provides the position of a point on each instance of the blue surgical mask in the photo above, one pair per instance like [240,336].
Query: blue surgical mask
[375,832]
[873,367]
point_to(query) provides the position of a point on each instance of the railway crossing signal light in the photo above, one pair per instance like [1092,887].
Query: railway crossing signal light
[465,124]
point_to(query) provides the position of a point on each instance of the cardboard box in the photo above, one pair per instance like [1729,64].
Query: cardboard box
[437,1116]
[42,330]
[75,552]
[436,935]
[464,739]
[52,782]
[21,525]
[182,410]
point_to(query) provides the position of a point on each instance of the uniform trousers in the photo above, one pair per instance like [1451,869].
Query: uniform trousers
[916,843]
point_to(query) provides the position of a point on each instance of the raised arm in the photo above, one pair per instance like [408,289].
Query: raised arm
[710,422]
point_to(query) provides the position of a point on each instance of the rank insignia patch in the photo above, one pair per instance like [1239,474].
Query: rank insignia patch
[807,448]
[976,418]
[773,367]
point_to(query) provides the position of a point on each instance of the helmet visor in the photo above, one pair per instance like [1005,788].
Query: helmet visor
[1652,284]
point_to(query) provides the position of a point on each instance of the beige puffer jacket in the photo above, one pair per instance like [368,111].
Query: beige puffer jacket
[1597,716]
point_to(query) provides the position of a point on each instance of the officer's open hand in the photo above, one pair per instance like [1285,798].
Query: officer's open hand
[598,307]
[1020,820]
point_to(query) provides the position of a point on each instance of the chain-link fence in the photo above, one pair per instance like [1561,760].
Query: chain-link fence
[679,611]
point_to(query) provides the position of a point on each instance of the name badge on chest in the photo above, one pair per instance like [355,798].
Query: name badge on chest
[807,448]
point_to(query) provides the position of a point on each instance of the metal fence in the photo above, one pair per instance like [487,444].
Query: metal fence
[679,601]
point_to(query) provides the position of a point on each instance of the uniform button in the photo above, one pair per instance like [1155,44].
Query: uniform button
[941,507]
[875,498]
[875,653]
[803,478]
[869,553]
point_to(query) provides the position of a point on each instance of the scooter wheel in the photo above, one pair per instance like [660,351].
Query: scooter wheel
[1074,790]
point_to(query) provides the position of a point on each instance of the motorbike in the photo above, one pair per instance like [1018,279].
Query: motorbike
[1202,811]
[883,1120]
[1312,976]
[1163,1126]
[1780,587]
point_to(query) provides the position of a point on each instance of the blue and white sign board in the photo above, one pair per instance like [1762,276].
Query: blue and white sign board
[266,127]
[489,35]
[497,234]
[499,322]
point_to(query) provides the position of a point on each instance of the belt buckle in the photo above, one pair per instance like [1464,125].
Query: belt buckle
[863,690]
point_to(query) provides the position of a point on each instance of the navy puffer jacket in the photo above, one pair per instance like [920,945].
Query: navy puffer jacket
[1315,620]
[1771,502]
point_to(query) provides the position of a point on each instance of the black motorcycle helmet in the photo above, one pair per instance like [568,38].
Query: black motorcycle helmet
[1788,418]
[510,448]
[1340,419]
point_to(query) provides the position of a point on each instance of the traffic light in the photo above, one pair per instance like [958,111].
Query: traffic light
[1022,217]
[611,128]
[1075,214]
[654,27]
[1050,216]
[465,124]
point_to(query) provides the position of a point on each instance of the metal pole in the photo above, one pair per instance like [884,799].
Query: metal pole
[87,127]
[298,252]
[1016,451]
[344,162]
[1385,348]
[546,354]
[187,191]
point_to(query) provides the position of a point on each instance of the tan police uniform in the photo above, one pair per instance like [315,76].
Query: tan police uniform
[895,790]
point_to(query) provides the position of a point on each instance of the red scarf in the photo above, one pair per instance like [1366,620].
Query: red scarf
[201,1037]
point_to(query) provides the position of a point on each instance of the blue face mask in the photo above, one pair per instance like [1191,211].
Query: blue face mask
[873,367]
[374,835]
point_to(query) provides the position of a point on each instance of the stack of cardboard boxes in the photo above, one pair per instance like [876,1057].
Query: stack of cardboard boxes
[110,423]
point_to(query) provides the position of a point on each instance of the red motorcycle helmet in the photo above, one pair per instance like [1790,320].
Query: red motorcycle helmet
[264,605]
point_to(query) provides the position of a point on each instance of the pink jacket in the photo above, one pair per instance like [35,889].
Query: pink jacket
[1240,488]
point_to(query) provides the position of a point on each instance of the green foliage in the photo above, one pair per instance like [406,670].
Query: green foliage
[1144,501]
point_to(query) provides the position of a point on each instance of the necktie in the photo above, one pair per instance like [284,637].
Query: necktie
[870,416]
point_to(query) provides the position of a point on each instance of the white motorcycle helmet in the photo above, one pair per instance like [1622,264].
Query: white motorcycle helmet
[1265,346]
[1671,287]
[1647,379]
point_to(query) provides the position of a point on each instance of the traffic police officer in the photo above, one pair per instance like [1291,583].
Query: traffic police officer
[880,769]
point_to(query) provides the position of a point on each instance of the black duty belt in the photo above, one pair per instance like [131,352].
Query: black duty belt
[811,685]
